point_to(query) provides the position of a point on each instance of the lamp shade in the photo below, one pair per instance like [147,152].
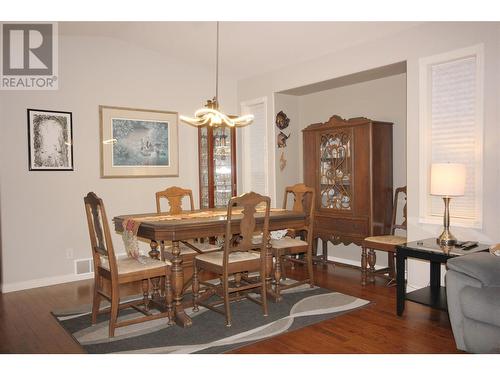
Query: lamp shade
[448,179]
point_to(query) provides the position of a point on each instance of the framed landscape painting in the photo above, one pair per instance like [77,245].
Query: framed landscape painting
[138,142]
[50,140]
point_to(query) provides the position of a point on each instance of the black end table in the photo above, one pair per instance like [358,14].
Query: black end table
[428,249]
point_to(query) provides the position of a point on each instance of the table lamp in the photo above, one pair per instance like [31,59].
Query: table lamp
[447,180]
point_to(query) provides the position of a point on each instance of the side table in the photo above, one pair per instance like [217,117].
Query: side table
[428,249]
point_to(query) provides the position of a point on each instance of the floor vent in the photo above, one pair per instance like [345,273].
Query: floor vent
[83,266]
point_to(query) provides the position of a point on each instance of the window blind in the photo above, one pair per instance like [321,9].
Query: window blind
[453,128]
[256,149]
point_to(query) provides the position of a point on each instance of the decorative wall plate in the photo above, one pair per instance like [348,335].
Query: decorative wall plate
[282,120]
[282,137]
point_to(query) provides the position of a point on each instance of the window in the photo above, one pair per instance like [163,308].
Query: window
[254,153]
[451,130]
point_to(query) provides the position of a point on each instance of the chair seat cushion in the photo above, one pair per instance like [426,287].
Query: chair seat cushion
[185,249]
[274,234]
[389,240]
[286,242]
[128,265]
[481,304]
[481,266]
[237,256]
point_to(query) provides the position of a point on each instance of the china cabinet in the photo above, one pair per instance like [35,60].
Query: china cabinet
[217,164]
[349,164]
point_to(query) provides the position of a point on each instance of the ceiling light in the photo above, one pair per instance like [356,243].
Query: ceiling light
[210,114]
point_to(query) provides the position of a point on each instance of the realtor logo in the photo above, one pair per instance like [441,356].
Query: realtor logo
[29,56]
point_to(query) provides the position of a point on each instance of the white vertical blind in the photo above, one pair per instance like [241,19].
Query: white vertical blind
[453,128]
[255,150]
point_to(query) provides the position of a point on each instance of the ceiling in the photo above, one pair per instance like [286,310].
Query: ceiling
[246,48]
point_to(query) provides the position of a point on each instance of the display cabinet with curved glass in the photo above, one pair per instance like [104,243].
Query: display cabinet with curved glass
[349,163]
[217,163]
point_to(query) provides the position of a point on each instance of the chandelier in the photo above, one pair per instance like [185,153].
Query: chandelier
[210,114]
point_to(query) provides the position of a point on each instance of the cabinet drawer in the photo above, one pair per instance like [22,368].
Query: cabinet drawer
[342,226]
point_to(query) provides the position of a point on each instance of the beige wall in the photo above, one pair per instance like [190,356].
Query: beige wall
[411,45]
[289,104]
[42,213]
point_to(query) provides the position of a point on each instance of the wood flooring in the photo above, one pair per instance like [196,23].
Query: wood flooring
[27,326]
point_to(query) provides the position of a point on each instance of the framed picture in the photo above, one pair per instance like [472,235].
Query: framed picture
[138,142]
[50,140]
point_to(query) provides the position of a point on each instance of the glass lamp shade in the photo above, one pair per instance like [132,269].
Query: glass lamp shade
[447,179]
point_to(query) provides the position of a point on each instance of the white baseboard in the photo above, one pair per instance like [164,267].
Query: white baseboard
[351,262]
[46,281]
[409,287]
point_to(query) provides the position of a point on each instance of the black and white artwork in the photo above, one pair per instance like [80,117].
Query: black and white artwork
[50,137]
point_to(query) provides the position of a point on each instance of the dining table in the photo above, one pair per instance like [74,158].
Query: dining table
[205,223]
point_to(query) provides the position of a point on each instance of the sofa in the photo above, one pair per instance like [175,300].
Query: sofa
[473,296]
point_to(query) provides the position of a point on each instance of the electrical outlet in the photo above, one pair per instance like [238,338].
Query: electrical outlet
[69,253]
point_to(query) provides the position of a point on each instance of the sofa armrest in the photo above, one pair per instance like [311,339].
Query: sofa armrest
[483,266]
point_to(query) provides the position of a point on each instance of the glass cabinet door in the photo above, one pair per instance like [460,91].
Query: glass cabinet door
[204,172]
[217,150]
[336,170]
[223,171]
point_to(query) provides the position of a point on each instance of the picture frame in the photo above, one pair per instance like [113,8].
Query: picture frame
[138,142]
[50,140]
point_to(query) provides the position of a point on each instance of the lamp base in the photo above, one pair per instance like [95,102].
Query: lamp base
[446,238]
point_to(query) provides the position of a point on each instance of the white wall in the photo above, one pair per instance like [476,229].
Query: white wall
[42,213]
[410,45]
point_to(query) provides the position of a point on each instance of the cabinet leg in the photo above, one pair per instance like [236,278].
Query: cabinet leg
[363,266]
[372,258]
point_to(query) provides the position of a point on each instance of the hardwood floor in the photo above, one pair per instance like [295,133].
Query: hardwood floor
[27,326]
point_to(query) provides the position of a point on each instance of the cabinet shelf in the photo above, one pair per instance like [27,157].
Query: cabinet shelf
[336,183]
[217,159]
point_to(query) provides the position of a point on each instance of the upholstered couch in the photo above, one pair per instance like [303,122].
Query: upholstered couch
[473,295]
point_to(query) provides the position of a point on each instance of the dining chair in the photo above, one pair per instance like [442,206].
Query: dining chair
[386,243]
[121,270]
[291,245]
[188,249]
[238,259]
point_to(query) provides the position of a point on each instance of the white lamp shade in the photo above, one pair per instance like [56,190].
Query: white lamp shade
[448,179]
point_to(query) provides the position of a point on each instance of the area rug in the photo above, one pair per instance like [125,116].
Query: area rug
[300,307]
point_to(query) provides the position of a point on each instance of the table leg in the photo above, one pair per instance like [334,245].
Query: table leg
[154,253]
[177,286]
[401,285]
[435,271]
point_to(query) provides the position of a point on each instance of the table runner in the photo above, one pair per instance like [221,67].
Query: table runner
[131,225]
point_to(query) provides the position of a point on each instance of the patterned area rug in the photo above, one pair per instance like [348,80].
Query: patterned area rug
[300,307]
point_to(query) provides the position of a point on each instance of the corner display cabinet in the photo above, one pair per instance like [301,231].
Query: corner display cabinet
[217,163]
[349,164]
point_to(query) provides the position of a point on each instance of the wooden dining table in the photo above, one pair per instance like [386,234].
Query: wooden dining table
[199,224]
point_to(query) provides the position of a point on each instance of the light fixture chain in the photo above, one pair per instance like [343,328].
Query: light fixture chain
[217,70]
[210,115]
